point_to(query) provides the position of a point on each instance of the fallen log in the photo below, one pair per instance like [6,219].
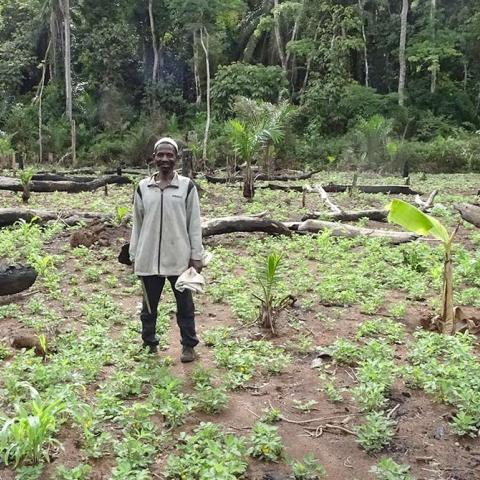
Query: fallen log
[8,216]
[56,177]
[337,213]
[470,213]
[334,188]
[14,184]
[375,215]
[349,231]
[16,278]
[262,177]
[390,189]
[428,204]
[243,223]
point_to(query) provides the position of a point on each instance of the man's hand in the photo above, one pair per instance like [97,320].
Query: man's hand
[196,264]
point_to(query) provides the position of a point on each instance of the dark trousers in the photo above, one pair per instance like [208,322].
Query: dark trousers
[185,311]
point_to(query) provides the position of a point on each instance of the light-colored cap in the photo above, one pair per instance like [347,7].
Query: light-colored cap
[168,140]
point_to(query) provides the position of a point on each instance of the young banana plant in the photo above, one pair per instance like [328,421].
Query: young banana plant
[418,222]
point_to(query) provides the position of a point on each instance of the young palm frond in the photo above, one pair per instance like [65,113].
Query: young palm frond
[268,279]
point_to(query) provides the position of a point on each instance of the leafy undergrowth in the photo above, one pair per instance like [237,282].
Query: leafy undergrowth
[139,416]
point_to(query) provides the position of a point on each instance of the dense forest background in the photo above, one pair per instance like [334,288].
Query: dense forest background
[354,83]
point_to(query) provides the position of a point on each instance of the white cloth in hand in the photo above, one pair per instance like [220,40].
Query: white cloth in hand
[190,280]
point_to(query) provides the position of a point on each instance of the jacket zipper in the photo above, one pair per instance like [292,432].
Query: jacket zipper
[161,228]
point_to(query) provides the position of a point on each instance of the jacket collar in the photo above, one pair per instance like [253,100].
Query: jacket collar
[175,182]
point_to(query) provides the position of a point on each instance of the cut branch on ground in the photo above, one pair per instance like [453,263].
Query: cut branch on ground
[15,185]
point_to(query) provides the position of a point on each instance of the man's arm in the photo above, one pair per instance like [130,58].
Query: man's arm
[137,222]
[194,227]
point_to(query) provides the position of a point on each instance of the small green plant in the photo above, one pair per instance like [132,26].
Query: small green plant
[26,176]
[201,376]
[344,351]
[268,279]
[4,351]
[304,406]
[120,214]
[465,424]
[271,415]
[29,435]
[387,469]
[29,472]
[80,472]
[211,399]
[391,330]
[307,469]
[375,433]
[208,453]
[330,389]
[93,274]
[266,443]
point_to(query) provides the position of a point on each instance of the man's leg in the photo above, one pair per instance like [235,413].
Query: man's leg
[152,289]
[185,315]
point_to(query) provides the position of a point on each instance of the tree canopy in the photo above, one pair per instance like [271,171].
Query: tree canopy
[138,69]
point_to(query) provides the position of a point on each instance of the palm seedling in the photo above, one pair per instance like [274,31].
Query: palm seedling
[416,221]
[269,279]
[26,178]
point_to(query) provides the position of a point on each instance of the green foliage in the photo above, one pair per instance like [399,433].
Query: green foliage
[80,472]
[309,468]
[387,469]
[416,221]
[393,331]
[29,434]
[271,415]
[254,81]
[444,366]
[211,399]
[375,433]
[208,454]
[266,443]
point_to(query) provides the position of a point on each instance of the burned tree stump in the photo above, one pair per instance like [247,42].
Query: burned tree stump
[16,278]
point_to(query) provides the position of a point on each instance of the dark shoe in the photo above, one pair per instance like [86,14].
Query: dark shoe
[151,348]
[188,355]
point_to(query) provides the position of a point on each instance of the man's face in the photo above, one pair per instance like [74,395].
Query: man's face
[165,158]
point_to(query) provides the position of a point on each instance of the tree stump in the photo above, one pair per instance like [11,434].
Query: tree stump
[16,278]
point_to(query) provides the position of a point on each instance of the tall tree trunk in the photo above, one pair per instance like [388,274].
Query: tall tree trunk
[207,67]
[309,61]
[39,97]
[53,39]
[198,86]
[361,5]
[436,66]
[68,76]
[278,38]
[296,27]
[465,74]
[67,54]
[401,54]
[154,42]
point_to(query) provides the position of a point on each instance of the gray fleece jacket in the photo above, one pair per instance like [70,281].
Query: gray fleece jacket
[167,230]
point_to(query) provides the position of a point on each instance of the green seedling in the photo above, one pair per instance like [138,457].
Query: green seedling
[304,406]
[268,278]
[411,218]
[208,453]
[29,434]
[309,468]
[387,469]
[271,415]
[375,433]
[266,443]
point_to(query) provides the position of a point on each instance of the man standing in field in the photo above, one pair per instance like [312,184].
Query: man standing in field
[166,240]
